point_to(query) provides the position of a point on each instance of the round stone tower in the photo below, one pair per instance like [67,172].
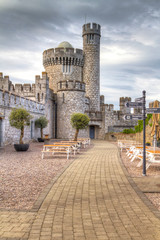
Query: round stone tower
[63,63]
[70,99]
[91,34]
[64,67]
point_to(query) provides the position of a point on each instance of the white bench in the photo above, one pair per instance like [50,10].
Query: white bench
[54,149]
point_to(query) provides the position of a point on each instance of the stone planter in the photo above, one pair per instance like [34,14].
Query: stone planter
[148,144]
[21,147]
[40,139]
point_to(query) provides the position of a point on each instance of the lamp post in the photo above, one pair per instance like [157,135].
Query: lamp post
[144,132]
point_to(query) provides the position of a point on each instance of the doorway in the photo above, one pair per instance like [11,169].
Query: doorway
[92,132]
[32,129]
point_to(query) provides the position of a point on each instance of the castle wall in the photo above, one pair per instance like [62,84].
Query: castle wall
[5,83]
[123,108]
[35,92]
[8,101]
[114,121]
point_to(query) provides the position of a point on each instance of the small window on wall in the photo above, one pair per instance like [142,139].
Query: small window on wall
[67,68]
[38,97]
[90,38]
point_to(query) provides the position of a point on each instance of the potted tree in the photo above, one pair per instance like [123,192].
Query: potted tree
[19,118]
[41,123]
[79,121]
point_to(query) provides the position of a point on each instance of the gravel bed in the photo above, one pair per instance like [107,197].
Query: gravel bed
[24,175]
[154,198]
[135,171]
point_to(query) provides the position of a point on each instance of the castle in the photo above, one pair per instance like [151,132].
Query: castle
[70,84]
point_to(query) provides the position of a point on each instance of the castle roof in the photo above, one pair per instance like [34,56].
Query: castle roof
[65,45]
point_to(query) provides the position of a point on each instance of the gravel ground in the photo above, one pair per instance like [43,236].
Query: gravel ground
[135,171]
[24,175]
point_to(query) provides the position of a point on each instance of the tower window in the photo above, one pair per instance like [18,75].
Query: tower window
[67,68]
[38,97]
[90,38]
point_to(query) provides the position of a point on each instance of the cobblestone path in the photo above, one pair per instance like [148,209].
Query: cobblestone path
[92,199]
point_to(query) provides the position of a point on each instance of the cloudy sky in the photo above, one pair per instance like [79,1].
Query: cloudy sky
[130,42]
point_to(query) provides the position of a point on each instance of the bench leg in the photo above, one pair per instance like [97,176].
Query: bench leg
[140,164]
[133,158]
[148,165]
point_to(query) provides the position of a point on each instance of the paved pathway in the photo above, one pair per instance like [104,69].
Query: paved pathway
[92,199]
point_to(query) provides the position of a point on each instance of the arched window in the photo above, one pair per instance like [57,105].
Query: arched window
[38,97]
[90,38]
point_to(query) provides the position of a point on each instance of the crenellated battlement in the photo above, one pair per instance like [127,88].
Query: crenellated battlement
[125,99]
[71,86]
[91,28]
[122,102]
[94,115]
[71,56]
[11,100]
[109,107]
[36,91]
[5,83]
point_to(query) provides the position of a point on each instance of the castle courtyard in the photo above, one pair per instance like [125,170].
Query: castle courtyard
[90,196]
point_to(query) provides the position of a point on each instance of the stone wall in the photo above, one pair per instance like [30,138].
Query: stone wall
[138,137]
[8,101]
[63,65]
[69,102]
[35,92]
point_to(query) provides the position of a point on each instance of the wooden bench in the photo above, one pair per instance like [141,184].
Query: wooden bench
[74,146]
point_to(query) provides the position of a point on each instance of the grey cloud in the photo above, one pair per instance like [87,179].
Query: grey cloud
[33,26]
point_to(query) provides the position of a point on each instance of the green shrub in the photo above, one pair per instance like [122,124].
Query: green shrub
[139,127]
[79,121]
[128,131]
[41,123]
[19,118]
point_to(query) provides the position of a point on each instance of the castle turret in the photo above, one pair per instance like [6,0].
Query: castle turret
[122,102]
[91,71]
[64,67]
[41,87]
[63,63]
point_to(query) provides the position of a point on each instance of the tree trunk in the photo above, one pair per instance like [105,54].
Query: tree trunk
[76,134]
[41,132]
[21,136]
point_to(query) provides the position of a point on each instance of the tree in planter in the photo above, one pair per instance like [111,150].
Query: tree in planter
[79,121]
[19,118]
[41,123]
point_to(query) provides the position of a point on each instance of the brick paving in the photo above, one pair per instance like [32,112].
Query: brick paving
[92,199]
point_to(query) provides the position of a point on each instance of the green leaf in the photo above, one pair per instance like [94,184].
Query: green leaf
[79,120]
[41,122]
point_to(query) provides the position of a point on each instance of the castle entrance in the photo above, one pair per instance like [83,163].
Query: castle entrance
[92,132]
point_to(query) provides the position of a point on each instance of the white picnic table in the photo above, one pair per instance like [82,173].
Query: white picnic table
[55,148]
